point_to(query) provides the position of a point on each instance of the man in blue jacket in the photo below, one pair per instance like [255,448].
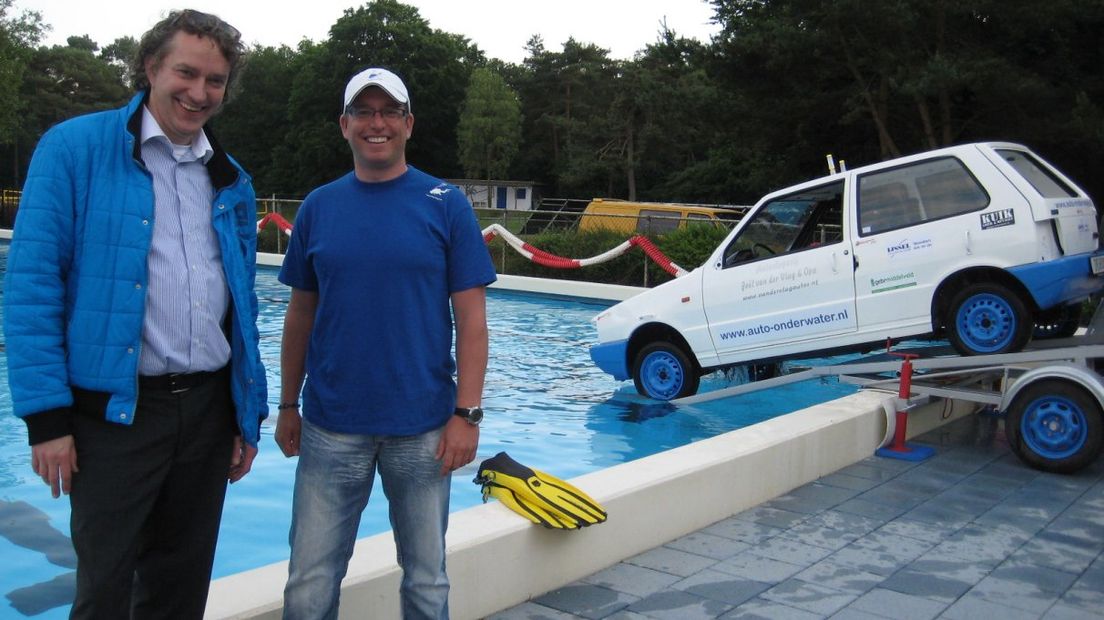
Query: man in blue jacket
[130,321]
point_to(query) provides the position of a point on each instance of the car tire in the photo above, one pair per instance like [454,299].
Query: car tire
[663,371]
[987,318]
[1055,426]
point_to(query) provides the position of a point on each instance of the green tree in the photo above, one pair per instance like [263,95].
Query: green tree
[435,66]
[251,124]
[489,133]
[18,36]
[118,54]
[61,82]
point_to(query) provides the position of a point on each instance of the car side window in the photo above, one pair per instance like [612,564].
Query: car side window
[656,222]
[917,193]
[808,219]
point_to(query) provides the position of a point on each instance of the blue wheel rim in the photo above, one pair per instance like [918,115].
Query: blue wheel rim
[986,323]
[662,375]
[1054,427]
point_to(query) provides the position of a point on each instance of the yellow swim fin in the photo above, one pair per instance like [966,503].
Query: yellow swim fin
[539,497]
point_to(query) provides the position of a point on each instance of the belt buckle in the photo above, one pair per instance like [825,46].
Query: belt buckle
[173,388]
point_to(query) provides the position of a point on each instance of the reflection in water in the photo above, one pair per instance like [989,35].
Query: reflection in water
[28,527]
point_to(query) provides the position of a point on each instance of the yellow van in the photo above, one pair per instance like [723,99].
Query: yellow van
[652,217]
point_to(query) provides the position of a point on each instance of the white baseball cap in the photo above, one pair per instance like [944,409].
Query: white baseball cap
[389,82]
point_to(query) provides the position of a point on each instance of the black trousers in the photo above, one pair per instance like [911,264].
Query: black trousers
[147,502]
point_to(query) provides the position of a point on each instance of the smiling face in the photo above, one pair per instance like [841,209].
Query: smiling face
[378,143]
[187,86]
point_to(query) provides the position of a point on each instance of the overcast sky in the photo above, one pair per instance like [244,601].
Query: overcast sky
[499,27]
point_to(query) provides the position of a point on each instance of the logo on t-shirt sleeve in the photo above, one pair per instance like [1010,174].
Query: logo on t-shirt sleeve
[439,192]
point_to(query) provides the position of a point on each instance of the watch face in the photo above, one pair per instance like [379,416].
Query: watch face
[475,415]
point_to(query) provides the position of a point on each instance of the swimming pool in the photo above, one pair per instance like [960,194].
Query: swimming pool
[547,405]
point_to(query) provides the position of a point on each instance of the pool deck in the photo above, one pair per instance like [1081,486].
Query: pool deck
[969,533]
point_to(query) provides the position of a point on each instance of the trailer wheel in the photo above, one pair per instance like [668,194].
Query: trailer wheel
[663,371]
[987,318]
[1055,426]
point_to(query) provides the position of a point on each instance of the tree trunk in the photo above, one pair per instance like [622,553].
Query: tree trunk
[630,161]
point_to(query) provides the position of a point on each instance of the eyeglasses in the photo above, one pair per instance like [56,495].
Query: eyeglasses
[365,113]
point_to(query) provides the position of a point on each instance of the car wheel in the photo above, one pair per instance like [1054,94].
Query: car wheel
[987,318]
[664,372]
[1058,322]
[1055,426]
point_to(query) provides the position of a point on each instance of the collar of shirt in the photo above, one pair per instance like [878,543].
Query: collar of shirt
[200,148]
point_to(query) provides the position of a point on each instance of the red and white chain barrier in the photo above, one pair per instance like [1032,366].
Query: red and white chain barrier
[276,218]
[541,257]
[537,255]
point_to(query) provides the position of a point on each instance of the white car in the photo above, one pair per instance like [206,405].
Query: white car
[977,243]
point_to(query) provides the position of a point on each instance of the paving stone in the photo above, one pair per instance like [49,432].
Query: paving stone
[1052,551]
[1027,519]
[1080,526]
[925,481]
[1064,612]
[843,521]
[868,471]
[531,611]
[873,510]
[880,553]
[672,561]
[774,517]
[938,576]
[821,536]
[975,608]
[632,579]
[708,545]
[1018,588]
[721,587]
[844,481]
[895,495]
[937,512]
[679,605]
[920,530]
[758,568]
[811,597]
[812,498]
[978,543]
[588,601]
[625,614]
[838,577]
[744,531]
[790,551]
[1088,591]
[899,606]
[850,613]
[761,609]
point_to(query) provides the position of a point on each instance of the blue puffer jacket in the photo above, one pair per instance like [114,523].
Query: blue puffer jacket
[75,288]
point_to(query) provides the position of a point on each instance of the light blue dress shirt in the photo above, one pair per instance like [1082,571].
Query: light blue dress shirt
[187,297]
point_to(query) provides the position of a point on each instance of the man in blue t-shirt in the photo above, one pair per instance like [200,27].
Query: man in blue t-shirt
[375,261]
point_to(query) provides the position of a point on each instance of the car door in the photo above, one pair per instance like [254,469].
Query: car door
[785,281]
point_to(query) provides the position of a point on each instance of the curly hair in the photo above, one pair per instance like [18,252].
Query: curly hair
[155,44]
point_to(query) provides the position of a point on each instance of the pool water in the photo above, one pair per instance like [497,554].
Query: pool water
[546,404]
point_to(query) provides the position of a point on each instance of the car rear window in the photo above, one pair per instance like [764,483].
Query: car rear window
[1040,177]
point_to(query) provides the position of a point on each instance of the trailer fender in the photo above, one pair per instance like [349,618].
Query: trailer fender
[1074,373]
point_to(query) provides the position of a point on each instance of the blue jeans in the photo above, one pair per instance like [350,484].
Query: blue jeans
[333,481]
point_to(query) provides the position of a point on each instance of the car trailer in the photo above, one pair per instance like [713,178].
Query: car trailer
[1052,394]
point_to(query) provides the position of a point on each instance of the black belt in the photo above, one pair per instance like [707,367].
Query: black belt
[176,383]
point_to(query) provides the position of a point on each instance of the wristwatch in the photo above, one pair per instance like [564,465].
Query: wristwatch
[471,415]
